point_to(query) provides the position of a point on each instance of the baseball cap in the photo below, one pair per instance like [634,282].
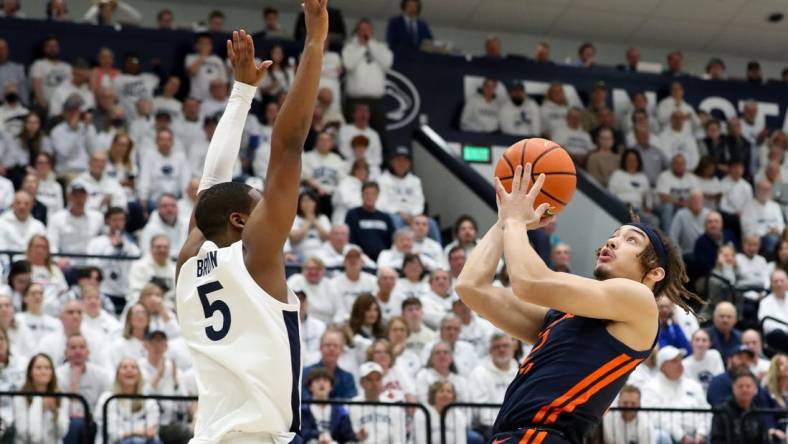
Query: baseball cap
[77,187]
[73,102]
[668,353]
[163,113]
[156,334]
[744,349]
[515,84]
[400,151]
[368,368]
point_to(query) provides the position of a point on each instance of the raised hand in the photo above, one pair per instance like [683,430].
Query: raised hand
[316,18]
[519,204]
[240,51]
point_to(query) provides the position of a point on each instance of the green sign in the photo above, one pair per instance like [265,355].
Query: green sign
[476,154]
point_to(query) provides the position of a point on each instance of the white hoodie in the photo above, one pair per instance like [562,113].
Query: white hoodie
[400,194]
[488,384]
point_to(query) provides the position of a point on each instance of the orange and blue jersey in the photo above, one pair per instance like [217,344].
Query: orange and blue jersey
[564,386]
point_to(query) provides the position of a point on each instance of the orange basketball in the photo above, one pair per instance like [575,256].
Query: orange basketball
[548,158]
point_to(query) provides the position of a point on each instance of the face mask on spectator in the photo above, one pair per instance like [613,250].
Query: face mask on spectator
[12,97]
[117,121]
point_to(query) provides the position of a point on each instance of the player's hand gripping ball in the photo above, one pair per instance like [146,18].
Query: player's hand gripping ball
[548,158]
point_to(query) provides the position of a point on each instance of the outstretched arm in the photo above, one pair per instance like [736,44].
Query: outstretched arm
[226,141]
[621,300]
[498,305]
[271,220]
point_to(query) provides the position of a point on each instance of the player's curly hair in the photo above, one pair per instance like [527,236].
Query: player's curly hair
[672,287]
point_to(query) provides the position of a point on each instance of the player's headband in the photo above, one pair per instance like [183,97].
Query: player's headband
[656,242]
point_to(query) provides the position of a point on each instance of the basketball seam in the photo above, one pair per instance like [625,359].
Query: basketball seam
[554,173]
[553,197]
[544,153]
[508,162]
[522,154]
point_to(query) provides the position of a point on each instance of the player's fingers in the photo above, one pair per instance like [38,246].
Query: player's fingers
[230,52]
[542,209]
[500,191]
[235,41]
[517,179]
[537,186]
[527,175]
[250,46]
[264,65]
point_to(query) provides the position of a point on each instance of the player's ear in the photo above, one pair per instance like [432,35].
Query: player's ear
[238,220]
[657,274]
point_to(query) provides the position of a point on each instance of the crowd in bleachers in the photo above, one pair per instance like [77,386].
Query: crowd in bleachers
[100,158]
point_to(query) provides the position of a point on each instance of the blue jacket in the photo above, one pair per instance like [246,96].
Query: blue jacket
[706,249]
[726,348]
[400,37]
[344,384]
[672,334]
[339,425]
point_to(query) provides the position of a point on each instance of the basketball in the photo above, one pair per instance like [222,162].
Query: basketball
[548,158]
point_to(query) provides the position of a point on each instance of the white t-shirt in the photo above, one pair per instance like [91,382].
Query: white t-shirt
[322,303]
[212,68]
[328,170]
[523,120]
[384,425]
[311,243]
[735,195]
[705,369]
[680,142]
[576,141]
[479,115]
[758,219]
[632,189]
[347,291]
[774,307]
[374,150]
[553,116]
[677,187]
[71,234]
[130,88]
[53,73]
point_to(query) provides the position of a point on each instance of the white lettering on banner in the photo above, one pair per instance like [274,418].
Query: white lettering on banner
[719,103]
[372,224]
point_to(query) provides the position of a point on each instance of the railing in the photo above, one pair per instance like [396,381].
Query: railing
[10,410]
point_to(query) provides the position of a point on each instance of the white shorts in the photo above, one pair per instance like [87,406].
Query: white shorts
[246,438]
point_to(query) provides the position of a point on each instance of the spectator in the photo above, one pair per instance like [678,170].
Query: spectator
[633,59]
[717,147]
[375,424]
[402,195]
[310,229]
[312,330]
[130,344]
[555,108]
[19,278]
[167,99]
[715,70]
[390,302]
[708,244]
[586,54]
[95,317]
[322,422]
[437,302]
[738,143]
[668,106]
[480,112]
[492,48]
[167,221]
[465,230]
[333,250]
[408,31]
[103,13]
[736,192]
[688,222]
[331,345]
[456,259]
[674,187]
[54,344]
[427,248]
[163,378]
[763,217]
[336,27]
[188,201]
[519,116]
[774,305]
[165,20]
[641,113]
[752,339]
[720,388]
[164,171]
[73,139]
[280,75]
[776,381]
[39,419]
[273,29]
[724,337]
[704,363]
[30,186]
[20,336]
[670,388]
[216,101]
[419,334]
[754,74]
[440,367]
[706,172]
[154,266]
[130,420]
[366,62]
[630,184]
[561,257]
[628,425]
[132,84]
[439,395]
[34,317]
[329,100]
[675,139]
[352,282]
[104,74]
[463,353]
[216,21]
[361,126]
[573,138]
[6,193]
[412,284]
[474,329]
[675,63]
[753,124]
[12,111]
[13,73]
[542,53]
[735,421]
[48,72]
[50,192]
[189,130]
[103,190]
[322,169]
[360,146]
[654,159]
[670,333]
[370,228]
[12,364]
[78,84]
[323,303]
[397,383]
[491,377]
[597,102]
[71,229]
[115,242]
[18,227]
[119,166]
[397,332]
[602,162]
[752,265]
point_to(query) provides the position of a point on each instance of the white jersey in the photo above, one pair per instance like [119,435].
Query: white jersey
[245,346]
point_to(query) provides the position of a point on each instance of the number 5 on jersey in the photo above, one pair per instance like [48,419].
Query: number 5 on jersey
[210,308]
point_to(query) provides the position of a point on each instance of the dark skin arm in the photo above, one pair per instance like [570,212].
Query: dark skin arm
[269,225]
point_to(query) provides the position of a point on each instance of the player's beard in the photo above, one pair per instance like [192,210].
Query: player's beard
[602,273]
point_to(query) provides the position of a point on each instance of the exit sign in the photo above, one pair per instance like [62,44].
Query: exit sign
[476,154]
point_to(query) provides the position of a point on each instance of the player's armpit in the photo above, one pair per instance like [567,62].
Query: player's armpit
[506,311]
[190,247]
[621,300]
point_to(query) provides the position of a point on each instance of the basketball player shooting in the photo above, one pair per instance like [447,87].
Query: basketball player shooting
[588,334]
[237,315]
